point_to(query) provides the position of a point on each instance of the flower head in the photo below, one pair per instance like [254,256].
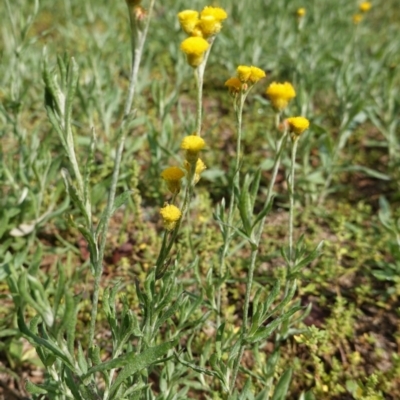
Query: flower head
[194,48]
[234,85]
[297,125]
[210,21]
[249,74]
[188,20]
[365,6]
[357,18]
[216,12]
[209,26]
[173,176]
[301,12]
[256,74]
[192,144]
[243,73]
[170,215]
[200,167]
[280,94]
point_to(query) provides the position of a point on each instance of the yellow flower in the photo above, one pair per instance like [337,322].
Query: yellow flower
[243,73]
[192,144]
[301,12]
[357,18]
[249,74]
[297,125]
[173,176]
[170,215]
[256,74]
[209,26]
[218,13]
[280,94]
[234,85]
[210,21]
[200,167]
[188,20]
[194,48]
[365,6]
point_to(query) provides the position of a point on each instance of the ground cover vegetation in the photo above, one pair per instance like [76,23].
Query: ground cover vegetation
[199,201]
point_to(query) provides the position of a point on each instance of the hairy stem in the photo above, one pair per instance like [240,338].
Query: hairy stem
[291,202]
[254,252]
[235,183]
[137,55]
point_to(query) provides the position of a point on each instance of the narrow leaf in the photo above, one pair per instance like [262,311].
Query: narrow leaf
[283,385]
[134,363]
[40,341]
[34,389]
[119,201]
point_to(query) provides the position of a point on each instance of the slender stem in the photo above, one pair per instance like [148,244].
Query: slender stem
[199,81]
[137,51]
[291,202]
[289,282]
[235,183]
[245,317]
[279,147]
[98,267]
[199,75]
[254,252]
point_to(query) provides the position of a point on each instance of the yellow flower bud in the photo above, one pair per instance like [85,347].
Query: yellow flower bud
[209,26]
[218,13]
[234,85]
[173,176]
[243,73]
[188,20]
[249,74]
[170,215]
[365,6]
[297,125]
[194,48]
[357,18]
[301,12]
[210,20]
[200,167]
[280,94]
[192,144]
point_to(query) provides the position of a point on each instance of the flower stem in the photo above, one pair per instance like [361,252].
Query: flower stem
[291,203]
[235,183]
[254,252]
[199,112]
[199,75]
[98,267]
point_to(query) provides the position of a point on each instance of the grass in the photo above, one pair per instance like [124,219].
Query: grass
[347,194]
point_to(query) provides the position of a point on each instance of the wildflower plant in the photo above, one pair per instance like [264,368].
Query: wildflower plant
[251,229]
[211,256]
[74,372]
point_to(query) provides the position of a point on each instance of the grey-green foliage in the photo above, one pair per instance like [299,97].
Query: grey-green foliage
[73,370]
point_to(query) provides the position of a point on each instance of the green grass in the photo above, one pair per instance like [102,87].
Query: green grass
[347,187]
